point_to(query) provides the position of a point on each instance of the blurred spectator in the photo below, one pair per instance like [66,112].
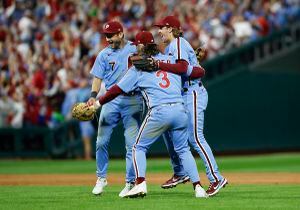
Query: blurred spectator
[47,47]
[11,110]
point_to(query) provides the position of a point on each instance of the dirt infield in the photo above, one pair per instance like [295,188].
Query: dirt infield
[118,178]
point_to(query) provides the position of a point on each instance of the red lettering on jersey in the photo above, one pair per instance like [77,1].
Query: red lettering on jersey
[166,82]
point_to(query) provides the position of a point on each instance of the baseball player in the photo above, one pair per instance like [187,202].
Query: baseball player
[162,92]
[196,98]
[109,66]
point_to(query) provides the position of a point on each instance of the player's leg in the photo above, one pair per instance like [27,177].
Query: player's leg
[109,118]
[132,117]
[179,136]
[179,175]
[197,102]
[152,127]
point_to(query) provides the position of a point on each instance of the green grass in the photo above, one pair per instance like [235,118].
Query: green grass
[182,197]
[262,163]
[272,196]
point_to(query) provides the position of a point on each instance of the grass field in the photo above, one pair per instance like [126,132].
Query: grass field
[234,196]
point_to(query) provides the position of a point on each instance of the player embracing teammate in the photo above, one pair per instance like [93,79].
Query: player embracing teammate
[162,90]
[195,98]
[109,67]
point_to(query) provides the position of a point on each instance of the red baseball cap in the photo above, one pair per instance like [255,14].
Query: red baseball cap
[143,37]
[112,27]
[169,21]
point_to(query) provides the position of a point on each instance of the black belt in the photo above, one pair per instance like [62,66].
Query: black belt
[132,93]
[186,89]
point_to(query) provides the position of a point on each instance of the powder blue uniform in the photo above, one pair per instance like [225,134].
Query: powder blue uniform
[110,66]
[166,112]
[195,99]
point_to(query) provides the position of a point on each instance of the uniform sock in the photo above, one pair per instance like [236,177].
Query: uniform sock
[195,183]
[139,180]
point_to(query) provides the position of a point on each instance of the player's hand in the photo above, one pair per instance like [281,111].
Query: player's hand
[153,62]
[91,101]
[97,105]
[144,63]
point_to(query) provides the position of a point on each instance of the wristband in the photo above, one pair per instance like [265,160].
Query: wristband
[94,94]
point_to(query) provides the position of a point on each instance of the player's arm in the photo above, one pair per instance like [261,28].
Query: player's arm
[182,67]
[111,94]
[125,85]
[96,85]
[98,72]
[181,56]
[195,72]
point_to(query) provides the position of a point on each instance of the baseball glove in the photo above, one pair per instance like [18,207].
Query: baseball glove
[82,112]
[201,54]
[144,63]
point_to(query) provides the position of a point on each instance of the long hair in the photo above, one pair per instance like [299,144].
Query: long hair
[151,49]
[177,32]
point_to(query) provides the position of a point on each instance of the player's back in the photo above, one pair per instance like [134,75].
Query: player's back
[157,87]
[181,49]
[160,87]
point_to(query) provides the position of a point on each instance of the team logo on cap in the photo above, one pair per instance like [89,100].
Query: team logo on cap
[107,26]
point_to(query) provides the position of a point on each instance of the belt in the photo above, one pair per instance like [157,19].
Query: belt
[169,104]
[186,89]
[132,93]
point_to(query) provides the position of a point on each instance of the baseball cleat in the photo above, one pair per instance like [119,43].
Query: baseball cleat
[100,184]
[215,187]
[139,190]
[127,188]
[200,192]
[174,181]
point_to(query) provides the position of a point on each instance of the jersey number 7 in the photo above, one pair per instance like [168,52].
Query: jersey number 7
[165,80]
[112,63]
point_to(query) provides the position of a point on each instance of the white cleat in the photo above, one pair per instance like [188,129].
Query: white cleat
[139,190]
[200,192]
[127,188]
[100,184]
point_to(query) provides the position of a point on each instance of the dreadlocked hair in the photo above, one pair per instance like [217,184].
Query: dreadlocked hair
[177,32]
[151,49]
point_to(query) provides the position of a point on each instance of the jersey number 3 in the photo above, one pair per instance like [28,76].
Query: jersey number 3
[165,80]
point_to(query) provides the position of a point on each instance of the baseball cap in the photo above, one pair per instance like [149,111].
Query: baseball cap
[112,27]
[169,21]
[143,37]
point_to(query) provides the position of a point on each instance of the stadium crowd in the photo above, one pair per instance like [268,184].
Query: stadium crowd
[47,47]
